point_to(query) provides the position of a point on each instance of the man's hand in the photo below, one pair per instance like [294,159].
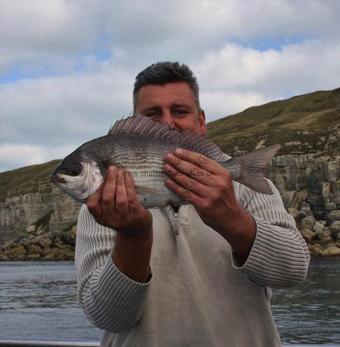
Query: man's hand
[116,206]
[208,186]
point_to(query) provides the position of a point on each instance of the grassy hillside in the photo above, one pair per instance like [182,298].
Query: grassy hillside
[306,123]
[26,179]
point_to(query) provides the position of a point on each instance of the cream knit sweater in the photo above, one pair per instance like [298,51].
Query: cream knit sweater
[198,295]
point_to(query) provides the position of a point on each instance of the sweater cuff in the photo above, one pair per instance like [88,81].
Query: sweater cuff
[257,255]
[112,275]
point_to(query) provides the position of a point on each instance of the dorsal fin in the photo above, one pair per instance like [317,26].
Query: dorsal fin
[141,125]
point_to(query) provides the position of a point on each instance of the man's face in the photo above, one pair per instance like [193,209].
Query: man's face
[173,104]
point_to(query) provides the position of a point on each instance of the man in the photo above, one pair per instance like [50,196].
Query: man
[197,276]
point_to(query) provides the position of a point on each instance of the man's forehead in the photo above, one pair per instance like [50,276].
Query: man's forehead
[176,93]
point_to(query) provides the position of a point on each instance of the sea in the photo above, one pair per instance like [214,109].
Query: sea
[38,302]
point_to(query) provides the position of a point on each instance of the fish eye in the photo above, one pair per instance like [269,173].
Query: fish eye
[74,171]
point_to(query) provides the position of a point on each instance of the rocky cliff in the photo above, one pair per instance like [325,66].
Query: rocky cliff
[37,221]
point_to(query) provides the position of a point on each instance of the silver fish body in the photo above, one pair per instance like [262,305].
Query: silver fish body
[138,144]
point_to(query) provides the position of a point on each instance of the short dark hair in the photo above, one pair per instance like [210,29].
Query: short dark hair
[163,73]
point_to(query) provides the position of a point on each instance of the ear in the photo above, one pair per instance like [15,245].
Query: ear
[202,125]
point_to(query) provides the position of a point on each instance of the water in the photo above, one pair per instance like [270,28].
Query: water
[38,301]
[310,313]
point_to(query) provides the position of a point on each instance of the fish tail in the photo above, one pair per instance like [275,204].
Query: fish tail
[250,169]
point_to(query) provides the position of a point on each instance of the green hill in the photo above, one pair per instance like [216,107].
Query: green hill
[26,179]
[302,124]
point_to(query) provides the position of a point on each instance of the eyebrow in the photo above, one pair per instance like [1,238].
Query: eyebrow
[158,108]
[152,108]
[180,105]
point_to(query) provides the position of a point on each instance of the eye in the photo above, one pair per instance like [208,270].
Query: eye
[152,114]
[74,171]
[180,112]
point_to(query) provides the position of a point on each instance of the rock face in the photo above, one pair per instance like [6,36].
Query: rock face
[37,220]
[310,188]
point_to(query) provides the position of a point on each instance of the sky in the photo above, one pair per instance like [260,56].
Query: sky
[67,68]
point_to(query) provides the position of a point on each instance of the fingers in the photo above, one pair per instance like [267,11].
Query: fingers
[187,182]
[109,188]
[121,200]
[94,203]
[198,160]
[186,194]
[130,190]
[198,179]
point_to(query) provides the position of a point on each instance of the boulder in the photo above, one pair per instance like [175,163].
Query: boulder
[305,208]
[324,236]
[17,252]
[307,234]
[34,250]
[333,216]
[335,229]
[3,256]
[319,226]
[307,222]
[30,228]
[329,206]
[315,249]
[331,251]
[45,241]
[298,215]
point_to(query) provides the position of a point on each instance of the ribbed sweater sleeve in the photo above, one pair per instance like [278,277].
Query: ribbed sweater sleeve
[279,256]
[111,300]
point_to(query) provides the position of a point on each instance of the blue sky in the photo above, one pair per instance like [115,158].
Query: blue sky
[67,67]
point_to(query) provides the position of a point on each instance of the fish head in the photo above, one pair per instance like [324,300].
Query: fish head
[78,176]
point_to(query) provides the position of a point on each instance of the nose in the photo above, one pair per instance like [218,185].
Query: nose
[166,118]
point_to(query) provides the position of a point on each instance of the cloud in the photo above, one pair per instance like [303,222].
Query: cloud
[69,109]
[69,66]
[45,32]
[294,69]
[58,35]
[27,154]
[218,104]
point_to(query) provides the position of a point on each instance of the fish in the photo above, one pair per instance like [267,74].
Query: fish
[138,144]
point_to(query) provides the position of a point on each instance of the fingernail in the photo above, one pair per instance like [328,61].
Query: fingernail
[169,156]
[178,151]
[166,167]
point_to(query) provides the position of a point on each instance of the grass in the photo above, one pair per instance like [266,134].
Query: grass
[305,118]
[28,179]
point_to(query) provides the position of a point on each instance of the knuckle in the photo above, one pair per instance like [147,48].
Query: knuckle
[177,161]
[107,198]
[202,159]
[189,183]
[120,202]
[120,180]
[223,183]
[215,195]
[206,204]
[186,194]
[227,176]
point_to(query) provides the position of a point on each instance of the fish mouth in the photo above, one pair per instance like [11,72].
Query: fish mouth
[56,179]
